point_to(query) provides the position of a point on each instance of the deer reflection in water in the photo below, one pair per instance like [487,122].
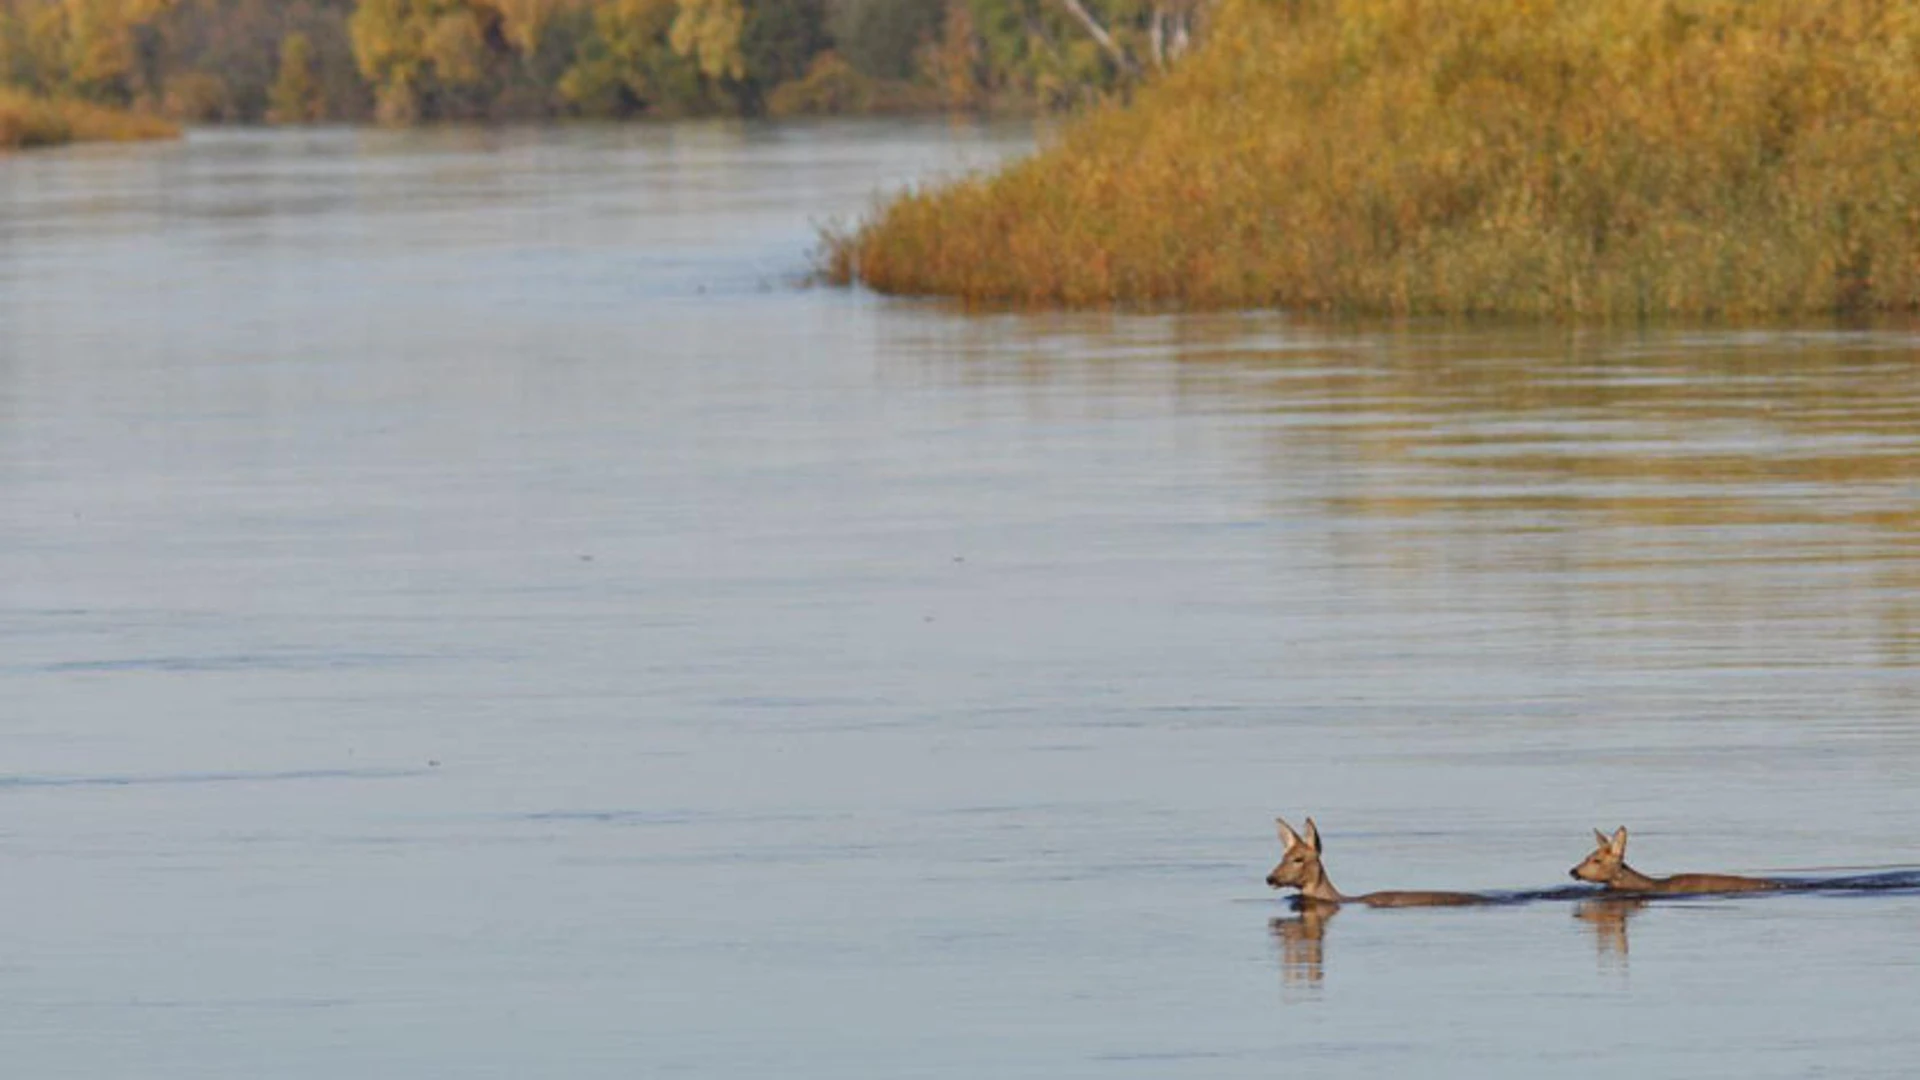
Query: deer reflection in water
[1608,917]
[1302,936]
[1302,940]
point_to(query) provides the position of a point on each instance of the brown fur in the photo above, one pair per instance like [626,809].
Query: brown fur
[1300,867]
[1607,865]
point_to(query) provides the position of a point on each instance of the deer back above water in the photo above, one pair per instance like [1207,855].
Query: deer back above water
[1607,865]
[1301,868]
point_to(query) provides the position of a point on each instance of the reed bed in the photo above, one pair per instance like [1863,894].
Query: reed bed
[1552,158]
[28,121]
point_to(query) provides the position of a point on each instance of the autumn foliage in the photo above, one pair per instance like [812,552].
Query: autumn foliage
[64,67]
[27,121]
[404,61]
[1540,157]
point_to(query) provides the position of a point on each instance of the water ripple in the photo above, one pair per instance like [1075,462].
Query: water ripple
[141,780]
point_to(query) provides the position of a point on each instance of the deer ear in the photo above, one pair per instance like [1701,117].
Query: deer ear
[1287,835]
[1619,841]
[1602,837]
[1313,835]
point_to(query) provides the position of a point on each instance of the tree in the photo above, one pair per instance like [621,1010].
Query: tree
[430,58]
[625,64]
[83,48]
[386,47]
[880,38]
[218,60]
[953,61]
[1121,58]
[295,96]
[1168,27]
[525,22]
[709,31]
[778,41]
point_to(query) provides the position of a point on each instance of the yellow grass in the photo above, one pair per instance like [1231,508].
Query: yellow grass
[1537,157]
[29,121]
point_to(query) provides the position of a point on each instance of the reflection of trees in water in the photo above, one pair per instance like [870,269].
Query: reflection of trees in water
[1715,478]
[1730,479]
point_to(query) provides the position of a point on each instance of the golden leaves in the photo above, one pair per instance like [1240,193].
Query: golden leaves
[708,31]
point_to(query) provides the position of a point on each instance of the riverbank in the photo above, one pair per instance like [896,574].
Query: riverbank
[405,62]
[27,121]
[1644,158]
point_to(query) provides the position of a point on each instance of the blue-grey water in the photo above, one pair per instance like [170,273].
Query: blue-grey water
[468,609]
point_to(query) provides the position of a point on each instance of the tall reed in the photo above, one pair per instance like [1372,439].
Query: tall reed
[1536,157]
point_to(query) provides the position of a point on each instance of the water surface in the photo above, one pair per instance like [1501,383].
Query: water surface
[466,610]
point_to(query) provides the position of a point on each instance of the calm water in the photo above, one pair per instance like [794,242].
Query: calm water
[466,611]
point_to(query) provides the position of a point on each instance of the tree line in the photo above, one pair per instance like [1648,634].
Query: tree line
[402,61]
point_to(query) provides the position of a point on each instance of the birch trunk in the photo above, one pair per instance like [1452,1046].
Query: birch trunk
[1100,36]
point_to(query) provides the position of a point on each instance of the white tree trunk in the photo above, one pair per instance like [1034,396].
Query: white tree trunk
[1170,30]
[1182,34]
[1099,34]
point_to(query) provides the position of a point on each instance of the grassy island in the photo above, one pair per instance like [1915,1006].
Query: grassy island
[28,121]
[1557,158]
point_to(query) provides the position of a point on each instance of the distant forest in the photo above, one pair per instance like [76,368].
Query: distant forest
[405,61]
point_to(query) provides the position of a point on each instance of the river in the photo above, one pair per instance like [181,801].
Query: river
[468,607]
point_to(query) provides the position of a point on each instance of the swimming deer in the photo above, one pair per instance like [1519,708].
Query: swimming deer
[1301,868]
[1608,866]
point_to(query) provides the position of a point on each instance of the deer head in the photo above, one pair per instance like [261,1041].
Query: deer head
[1607,859]
[1300,862]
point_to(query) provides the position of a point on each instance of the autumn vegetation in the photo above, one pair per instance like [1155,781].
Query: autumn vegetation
[410,61]
[1567,158]
[27,121]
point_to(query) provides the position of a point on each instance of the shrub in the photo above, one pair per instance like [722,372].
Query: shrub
[27,121]
[1542,157]
[197,97]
